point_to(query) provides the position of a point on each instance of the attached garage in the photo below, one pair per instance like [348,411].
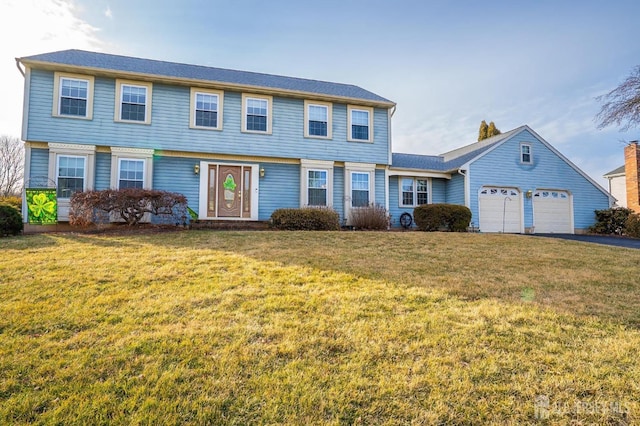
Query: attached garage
[552,212]
[500,209]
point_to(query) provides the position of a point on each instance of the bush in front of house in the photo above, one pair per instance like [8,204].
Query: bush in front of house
[633,225]
[12,200]
[442,217]
[372,218]
[306,219]
[130,205]
[611,221]
[10,220]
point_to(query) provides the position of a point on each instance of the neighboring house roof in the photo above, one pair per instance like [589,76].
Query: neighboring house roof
[615,172]
[81,59]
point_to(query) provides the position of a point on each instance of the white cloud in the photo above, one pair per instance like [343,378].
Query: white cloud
[30,27]
[108,13]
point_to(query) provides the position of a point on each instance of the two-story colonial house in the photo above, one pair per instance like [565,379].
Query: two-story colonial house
[240,145]
[237,144]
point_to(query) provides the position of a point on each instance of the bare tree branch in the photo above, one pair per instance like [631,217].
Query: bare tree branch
[11,165]
[621,106]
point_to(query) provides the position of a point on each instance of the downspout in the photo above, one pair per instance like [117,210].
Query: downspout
[466,190]
[26,169]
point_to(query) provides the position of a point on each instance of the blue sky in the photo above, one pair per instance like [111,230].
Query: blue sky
[447,64]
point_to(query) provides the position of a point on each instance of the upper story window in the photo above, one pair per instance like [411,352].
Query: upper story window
[360,124]
[74,96]
[525,154]
[133,102]
[256,115]
[414,192]
[70,175]
[206,109]
[131,173]
[317,118]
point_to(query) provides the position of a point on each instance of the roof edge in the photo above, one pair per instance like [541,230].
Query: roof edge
[203,83]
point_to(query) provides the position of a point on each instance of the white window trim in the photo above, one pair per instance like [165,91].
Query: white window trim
[305,167]
[144,168]
[68,149]
[415,190]
[57,98]
[118,153]
[84,176]
[530,153]
[192,113]
[329,107]
[269,99]
[118,100]
[351,108]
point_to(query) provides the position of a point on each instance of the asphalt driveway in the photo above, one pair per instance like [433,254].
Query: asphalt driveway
[597,239]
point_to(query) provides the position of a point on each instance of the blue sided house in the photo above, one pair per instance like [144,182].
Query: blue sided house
[240,145]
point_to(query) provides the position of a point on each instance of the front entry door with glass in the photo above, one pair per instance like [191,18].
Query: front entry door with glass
[229,191]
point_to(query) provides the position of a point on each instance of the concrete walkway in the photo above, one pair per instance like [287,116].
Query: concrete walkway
[597,239]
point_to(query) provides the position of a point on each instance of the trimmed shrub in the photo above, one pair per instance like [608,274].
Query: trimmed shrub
[12,201]
[306,219]
[10,220]
[633,225]
[373,218]
[611,221]
[130,205]
[442,217]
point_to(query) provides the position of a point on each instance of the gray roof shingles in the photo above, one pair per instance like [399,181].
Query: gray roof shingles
[81,58]
[617,171]
[434,162]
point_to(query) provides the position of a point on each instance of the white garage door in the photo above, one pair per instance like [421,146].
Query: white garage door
[552,212]
[500,209]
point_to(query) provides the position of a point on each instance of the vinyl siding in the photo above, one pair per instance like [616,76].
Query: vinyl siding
[176,175]
[279,188]
[169,128]
[502,167]
[338,191]
[103,171]
[455,189]
[379,188]
[39,171]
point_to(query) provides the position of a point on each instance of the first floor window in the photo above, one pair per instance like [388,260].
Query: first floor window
[414,192]
[206,110]
[525,151]
[73,97]
[317,188]
[131,174]
[133,103]
[256,114]
[359,189]
[407,192]
[71,175]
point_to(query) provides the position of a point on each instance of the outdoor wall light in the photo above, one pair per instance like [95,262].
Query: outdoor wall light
[196,169]
[529,193]
[261,171]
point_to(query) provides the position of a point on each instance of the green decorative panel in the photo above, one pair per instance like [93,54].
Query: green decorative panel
[42,205]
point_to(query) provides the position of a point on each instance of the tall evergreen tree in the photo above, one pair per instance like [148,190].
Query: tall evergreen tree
[484,128]
[492,130]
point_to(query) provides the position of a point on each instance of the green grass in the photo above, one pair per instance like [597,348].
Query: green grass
[316,328]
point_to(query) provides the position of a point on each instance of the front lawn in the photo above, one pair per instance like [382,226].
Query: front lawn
[317,328]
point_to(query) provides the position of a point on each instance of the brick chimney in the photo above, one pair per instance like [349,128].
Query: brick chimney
[631,170]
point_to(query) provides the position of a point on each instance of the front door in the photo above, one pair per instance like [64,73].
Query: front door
[229,191]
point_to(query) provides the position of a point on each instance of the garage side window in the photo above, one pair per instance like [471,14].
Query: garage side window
[526,156]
